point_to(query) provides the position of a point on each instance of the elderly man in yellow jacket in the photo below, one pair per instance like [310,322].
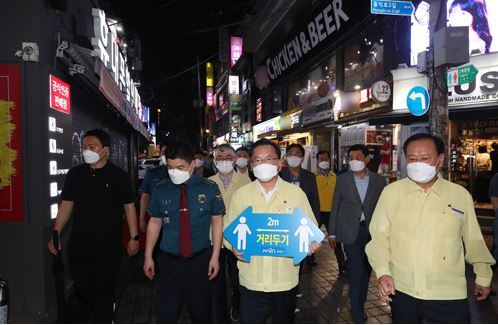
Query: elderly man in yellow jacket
[228,181]
[423,230]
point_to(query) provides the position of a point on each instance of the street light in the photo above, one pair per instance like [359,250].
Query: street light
[158,117]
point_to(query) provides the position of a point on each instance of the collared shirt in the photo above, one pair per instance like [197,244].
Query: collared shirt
[204,201]
[325,183]
[152,177]
[235,183]
[245,175]
[268,194]
[418,238]
[264,273]
[225,179]
[361,186]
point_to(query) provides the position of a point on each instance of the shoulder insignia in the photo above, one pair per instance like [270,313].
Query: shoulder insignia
[209,182]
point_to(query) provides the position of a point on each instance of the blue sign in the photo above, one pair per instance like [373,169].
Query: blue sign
[273,234]
[418,100]
[386,7]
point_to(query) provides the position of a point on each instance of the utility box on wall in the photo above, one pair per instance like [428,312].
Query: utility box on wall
[451,46]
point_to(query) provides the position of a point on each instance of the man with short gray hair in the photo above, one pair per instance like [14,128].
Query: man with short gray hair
[228,181]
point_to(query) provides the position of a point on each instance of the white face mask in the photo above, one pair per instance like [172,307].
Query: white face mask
[224,167]
[294,161]
[421,172]
[356,165]
[178,176]
[163,160]
[198,163]
[241,162]
[265,172]
[324,165]
[91,157]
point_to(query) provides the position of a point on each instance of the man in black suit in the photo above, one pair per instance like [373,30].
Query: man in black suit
[355,198]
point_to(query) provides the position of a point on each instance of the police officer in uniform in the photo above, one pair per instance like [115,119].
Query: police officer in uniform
[184,206]
[153,176]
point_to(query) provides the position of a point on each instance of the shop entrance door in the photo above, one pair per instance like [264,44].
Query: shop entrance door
[472,142]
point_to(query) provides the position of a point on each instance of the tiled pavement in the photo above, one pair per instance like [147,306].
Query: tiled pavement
[324,296]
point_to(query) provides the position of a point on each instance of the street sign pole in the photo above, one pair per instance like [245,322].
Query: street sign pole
[438,111]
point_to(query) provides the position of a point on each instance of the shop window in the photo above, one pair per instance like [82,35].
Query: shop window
[364,61]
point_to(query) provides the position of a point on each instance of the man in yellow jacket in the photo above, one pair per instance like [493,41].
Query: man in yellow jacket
[419,230]
[325,181]
[228,181]
[268,284]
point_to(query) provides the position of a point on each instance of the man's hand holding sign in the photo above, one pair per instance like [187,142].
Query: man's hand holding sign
[273,234]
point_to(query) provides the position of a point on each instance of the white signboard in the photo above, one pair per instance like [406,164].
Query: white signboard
[106,48]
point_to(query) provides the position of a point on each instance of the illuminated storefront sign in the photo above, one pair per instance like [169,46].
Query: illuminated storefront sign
[233,85]
[60,95]
[235,49]
[267,126]
[209,74]
[106,48]
[209,96]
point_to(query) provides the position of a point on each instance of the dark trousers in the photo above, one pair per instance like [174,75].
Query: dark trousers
[184,281]
[219,289]
[359,271]
[407,309]
[94,278]
[256,306]
[339,254]
[233,273]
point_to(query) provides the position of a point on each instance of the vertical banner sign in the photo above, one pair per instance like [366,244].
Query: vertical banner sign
[223,45]
[59,95]
[59,140]
[11,191]
[235,49]
[209,74]
[209,96]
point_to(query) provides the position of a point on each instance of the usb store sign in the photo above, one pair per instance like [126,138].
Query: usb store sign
[326,23]
[106,47]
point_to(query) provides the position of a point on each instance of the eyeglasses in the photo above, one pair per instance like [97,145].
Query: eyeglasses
[224,159]
[258,161]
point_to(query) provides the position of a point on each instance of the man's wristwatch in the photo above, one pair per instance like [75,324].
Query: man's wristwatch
[134,237]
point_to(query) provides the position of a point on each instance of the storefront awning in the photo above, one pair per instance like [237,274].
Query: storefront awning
[402,116]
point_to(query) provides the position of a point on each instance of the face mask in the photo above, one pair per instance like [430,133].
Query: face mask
[241,162]
[294,161]
[356,165]
[421,172]
[178,176]
[91,157]
[324,165]
[198,163]
[224,167]
[265,172]
[163,160]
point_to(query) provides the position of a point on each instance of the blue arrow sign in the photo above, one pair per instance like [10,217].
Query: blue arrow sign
[386,7]
[273,234]
[418,100]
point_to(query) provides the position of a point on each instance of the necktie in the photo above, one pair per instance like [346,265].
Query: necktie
[185,238]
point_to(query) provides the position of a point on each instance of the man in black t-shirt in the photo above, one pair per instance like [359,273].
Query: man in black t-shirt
[95,194]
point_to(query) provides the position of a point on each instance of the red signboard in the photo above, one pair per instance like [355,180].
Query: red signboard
[11,190]
[60,95]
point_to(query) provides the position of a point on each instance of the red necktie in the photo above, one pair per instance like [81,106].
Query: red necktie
[185,238]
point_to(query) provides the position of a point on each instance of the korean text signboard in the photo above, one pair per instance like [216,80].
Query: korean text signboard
[273,234]
[60,95]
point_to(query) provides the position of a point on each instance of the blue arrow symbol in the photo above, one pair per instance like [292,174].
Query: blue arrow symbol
[414,96]
[273,234]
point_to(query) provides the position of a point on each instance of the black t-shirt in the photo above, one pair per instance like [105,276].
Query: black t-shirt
[98,196]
